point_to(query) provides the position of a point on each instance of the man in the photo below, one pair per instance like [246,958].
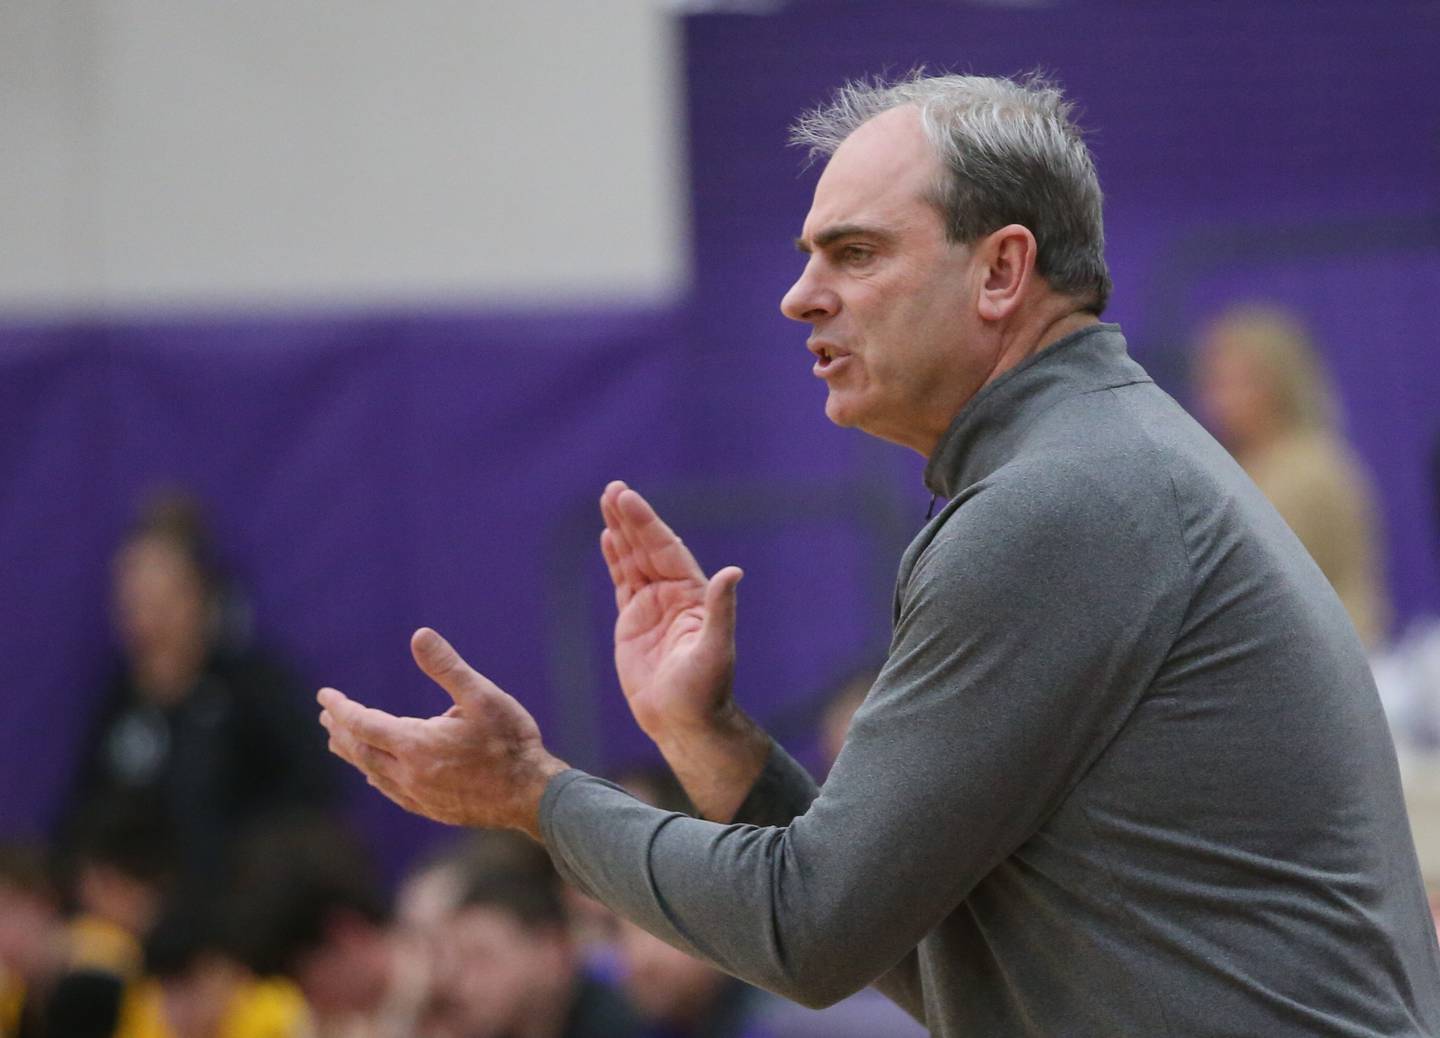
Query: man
[308,908]
[195,984]
[493,914]
[677,994]
[1124,771]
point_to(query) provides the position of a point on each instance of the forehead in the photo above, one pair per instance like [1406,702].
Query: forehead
[489,926]
[881,174]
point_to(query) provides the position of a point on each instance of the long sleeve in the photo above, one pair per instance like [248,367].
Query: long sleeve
[1124,770]
[1026,630]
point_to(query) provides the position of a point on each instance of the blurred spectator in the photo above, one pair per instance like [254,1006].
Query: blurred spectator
[44,989]
[428,899]
[315,914]
[678,995]
[682,997]
[867,1012]
[195,985]
[197,737]
[1408,677]
[31,947]
[1408,672]
[434,886]
[1265,395]
[506,965]
[120,869]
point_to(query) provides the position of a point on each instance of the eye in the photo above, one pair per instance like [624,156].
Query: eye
[855,255]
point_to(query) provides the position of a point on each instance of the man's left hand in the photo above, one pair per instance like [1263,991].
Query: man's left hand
[481,763]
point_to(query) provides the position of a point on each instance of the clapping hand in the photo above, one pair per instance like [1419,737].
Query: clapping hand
[675,632]
[675,654]
[480,763]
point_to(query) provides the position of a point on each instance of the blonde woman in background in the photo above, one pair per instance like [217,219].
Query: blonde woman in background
[1264,393]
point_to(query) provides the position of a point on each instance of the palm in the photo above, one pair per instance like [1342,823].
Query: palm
[672,666]
[659,653]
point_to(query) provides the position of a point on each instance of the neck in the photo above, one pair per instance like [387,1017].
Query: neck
[1044,324]
[167,674]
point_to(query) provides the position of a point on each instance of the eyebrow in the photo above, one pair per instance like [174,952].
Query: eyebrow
[831,235]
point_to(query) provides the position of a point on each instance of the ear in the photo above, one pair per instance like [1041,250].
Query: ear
[1007,257]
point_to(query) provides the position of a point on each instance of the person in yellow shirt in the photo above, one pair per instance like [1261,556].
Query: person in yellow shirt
[196,986]
[52,979]
[215,999]
[29,931]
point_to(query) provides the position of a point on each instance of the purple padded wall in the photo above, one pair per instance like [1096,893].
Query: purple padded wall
[369,473]
[1247,150]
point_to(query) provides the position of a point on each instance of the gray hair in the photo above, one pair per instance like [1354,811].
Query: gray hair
[1011,154]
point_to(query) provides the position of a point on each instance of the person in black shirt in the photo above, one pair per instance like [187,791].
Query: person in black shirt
[198,738]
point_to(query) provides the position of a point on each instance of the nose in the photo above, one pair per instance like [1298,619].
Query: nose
[808,300]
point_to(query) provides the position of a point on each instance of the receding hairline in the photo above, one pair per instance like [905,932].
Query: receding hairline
[1010,151]
[931,193]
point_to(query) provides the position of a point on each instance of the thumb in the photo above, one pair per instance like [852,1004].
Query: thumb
[444,666]
[719,625]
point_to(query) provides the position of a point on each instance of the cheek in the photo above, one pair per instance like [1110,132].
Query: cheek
[325,987]
[490,991]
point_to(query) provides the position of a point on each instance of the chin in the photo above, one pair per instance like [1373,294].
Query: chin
[841,413]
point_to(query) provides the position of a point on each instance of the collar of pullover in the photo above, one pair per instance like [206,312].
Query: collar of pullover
[984,433]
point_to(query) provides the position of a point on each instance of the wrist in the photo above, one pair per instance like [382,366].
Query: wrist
[544,769]
[723,723]
[717,763]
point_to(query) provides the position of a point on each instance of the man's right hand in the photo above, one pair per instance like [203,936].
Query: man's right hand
[675,654]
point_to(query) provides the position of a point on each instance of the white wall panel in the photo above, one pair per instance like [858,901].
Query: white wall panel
[48,222]
[351,151]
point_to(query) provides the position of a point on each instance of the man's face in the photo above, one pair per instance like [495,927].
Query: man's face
[890,299]
[159,598]
[1235,396]
[348,972]
[663,983]
[494,970]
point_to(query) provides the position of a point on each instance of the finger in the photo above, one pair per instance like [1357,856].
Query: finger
[344,744]
[718,628]
[657,547]
[632,570]
[625,570]
[444,666]
[366,724]
[608,512]
[379,768]
[623,590]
